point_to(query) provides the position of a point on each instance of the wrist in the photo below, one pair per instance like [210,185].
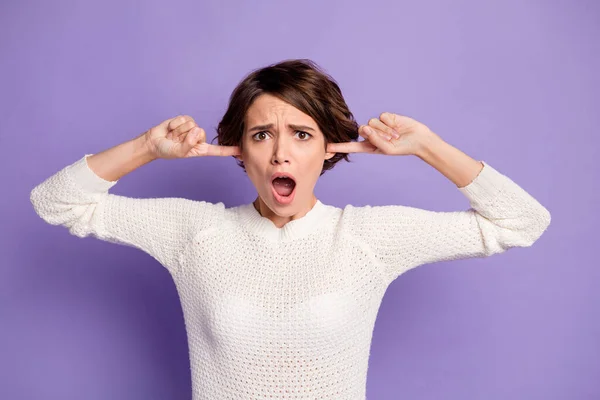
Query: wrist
[143,148]
[427,145]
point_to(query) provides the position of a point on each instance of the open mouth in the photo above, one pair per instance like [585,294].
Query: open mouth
[283,187]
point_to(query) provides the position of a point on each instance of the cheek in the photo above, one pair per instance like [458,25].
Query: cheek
[314,165]
[255,166]
[251,169]
[317,155]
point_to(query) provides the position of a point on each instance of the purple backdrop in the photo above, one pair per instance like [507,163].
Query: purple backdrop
[512,83]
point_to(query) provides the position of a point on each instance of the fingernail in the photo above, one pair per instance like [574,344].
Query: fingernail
[368,131]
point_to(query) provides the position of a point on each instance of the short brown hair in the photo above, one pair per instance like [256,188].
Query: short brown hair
[304,85]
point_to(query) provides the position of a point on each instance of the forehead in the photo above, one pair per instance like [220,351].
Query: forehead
[267,108]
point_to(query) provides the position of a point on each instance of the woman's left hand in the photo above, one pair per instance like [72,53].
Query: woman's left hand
[390,134]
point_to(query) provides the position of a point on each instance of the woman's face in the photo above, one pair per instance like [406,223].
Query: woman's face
[280,139]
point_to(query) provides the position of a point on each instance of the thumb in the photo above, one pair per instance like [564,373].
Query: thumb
[191,138]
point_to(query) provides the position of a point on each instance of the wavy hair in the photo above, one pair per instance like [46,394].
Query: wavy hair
[304,85]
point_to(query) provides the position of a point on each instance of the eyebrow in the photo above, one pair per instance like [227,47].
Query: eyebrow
[270,126]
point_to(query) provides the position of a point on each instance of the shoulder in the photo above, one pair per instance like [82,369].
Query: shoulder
[352,212]
[184,205]
[363,218]
[198,213]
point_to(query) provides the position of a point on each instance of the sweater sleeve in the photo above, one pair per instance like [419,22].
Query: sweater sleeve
[78,199]
[502,215]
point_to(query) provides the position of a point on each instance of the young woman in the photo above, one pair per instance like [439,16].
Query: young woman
[280,296]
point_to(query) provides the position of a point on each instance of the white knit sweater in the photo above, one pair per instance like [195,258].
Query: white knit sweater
[287,313]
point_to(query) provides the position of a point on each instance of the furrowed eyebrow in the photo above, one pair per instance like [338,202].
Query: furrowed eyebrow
[292,126]
[301,127]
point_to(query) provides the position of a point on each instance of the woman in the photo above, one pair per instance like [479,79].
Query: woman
[280,296]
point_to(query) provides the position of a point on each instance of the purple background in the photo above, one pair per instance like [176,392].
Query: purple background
[512,83]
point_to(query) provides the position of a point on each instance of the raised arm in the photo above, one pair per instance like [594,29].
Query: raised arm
[502,214]
[77,196]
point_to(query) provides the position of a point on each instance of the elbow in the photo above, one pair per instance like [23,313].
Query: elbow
[36,198]
[55,210]
[521,232]
[57,201]
[42,205]
[547,218]
[540,222]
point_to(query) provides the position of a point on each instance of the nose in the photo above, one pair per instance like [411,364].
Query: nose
[280,151]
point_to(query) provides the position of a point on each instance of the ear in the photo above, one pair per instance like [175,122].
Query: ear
[240,157]
[329,155]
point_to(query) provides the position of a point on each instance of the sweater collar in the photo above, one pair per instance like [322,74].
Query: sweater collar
[264,227]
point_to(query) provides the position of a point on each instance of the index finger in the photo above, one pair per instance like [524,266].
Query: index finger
[216,150]
[351,147]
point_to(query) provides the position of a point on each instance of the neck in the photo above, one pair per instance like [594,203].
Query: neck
[280,220]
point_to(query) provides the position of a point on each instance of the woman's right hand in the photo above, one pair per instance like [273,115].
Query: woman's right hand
[180,137]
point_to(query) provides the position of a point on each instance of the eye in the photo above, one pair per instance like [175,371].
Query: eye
[303,135]
[260,136]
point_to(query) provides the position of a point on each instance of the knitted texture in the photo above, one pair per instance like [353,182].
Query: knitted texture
[287,313]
